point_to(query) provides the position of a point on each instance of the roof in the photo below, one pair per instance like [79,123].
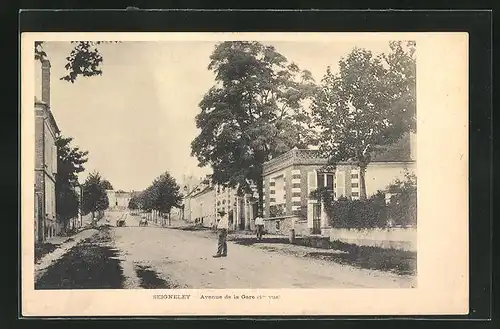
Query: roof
[399,151]
[49,114]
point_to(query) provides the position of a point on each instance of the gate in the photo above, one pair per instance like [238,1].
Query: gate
[316,218]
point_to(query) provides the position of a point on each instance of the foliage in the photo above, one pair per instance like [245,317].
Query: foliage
[162,195]
[370,102]
[253,113]
[374,212]
[358,214]
[70,161]
[107,185]
[277,210]
[84,60]
[402,208]
[95,198]
[134,202]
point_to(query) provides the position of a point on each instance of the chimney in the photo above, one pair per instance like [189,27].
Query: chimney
[46,82]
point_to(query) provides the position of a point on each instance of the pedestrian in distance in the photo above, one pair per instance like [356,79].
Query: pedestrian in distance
[222,228]
[259,226]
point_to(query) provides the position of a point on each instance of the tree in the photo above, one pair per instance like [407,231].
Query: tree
[107,185]
[70,161]
[95,198]
[163,194]
[84,60]
[133,203]
[369,103]
[253,113]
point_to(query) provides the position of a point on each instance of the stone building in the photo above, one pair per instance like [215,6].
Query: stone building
[204,200]
[118,199]
[290,178]
[46,132]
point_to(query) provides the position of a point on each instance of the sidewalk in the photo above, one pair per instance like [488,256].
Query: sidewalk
[64,245]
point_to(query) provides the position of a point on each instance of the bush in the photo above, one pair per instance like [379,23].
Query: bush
[277,210]
[370,213]
[402,208]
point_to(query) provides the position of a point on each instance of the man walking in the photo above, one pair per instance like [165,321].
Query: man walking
[259,225]
[222,228]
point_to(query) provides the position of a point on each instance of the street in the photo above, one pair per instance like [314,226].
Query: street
[134,257]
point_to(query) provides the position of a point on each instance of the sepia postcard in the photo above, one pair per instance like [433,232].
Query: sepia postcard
[193,174]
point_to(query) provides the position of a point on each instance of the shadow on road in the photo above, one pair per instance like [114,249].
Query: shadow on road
[149,278]
[91,264]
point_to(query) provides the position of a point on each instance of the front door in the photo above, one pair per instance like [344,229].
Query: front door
[316,219]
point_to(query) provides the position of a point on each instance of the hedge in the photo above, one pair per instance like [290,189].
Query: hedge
[374,212]
[345,213]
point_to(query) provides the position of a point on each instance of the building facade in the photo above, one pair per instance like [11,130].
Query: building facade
[118,199]
[46,132]
[290,178]
[288,181]
[204,201]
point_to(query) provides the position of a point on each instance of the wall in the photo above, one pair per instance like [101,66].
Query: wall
[380,174]
[203,205]
[285,225]
[397,238]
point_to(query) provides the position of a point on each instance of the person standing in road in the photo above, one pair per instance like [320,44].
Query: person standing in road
[222,228]
[259,225]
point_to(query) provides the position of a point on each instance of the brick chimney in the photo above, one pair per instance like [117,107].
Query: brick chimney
[46,82]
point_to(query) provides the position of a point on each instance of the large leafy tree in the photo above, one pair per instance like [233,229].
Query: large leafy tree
[253,113]
[70,161]
[162,195]
[369,103]
[95,198]
[83,60]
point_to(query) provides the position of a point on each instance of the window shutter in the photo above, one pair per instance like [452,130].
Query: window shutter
[311,181]
[54,159]
[340,184]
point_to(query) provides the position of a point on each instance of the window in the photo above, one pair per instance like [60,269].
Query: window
[354,185]
[218,203]
[296,203]
[224,201]
[272,183]
[329,182]
[272,192]
[354,176]
[296,176]
[296,185]
[272,200]
[355,194]
[296,194]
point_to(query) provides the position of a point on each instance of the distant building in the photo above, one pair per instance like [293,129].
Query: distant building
[204,201]
[46,132]
[118,199]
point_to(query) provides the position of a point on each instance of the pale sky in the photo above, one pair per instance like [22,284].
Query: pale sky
[137,118]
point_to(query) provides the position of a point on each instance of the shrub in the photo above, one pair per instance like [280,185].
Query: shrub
[277,210]
[345,213]
[402,208]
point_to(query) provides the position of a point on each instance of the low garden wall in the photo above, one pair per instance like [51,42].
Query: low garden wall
[387,238]
[283,225]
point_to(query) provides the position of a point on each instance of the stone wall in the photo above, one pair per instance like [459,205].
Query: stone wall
[283,225]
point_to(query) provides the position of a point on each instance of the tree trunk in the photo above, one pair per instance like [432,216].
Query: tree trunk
[362,182]
[260,190]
